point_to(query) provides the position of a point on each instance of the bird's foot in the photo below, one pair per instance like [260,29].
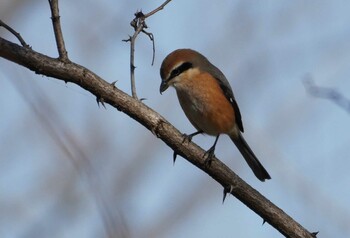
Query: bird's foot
[209,154]
[188,138]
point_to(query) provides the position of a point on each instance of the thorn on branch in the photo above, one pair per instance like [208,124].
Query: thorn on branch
[227,190]
[314,234]
[174,157]
[100,100]
[133,67]
[224,196]
[113,84]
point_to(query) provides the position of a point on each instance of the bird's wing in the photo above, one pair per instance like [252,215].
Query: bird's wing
[226,88]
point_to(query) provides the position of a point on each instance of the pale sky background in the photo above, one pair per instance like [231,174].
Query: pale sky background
[71,169]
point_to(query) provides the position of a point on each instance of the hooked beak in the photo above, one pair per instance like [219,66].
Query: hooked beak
[163,86]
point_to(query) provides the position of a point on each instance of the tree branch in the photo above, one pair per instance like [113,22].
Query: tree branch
[77,74]
[15,33]
[157,9]
[55,17]
[139,25]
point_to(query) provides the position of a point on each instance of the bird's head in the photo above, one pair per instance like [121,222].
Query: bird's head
[180,65]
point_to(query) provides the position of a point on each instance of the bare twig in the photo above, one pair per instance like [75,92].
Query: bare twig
[74,73]
[139,25]
[55,17]
[157,9]
[15,33]
[151,37]
[327,93]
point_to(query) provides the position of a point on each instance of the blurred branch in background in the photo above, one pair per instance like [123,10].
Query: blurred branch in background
[72,149]
[327,93]
[111,210]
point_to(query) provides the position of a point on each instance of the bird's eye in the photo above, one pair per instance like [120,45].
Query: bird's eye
[175,72]
[180,69]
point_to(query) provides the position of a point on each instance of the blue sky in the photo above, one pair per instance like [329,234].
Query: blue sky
[73,169]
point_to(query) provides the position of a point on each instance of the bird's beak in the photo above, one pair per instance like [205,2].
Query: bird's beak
[163,86]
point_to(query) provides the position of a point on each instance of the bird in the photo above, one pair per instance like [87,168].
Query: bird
[207,100]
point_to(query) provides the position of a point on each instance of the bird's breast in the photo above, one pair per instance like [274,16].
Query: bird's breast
[205,104]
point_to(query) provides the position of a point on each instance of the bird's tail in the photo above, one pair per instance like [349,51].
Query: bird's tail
[253,162]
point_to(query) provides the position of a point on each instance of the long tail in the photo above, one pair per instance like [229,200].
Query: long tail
[253,162]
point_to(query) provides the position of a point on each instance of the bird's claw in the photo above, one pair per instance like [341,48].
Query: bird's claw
[186,138]
[209,156]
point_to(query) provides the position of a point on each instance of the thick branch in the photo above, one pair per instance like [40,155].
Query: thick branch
[74,73]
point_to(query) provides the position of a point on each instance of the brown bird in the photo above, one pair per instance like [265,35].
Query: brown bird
[206,97]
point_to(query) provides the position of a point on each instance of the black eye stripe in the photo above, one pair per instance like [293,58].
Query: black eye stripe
[180,69]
